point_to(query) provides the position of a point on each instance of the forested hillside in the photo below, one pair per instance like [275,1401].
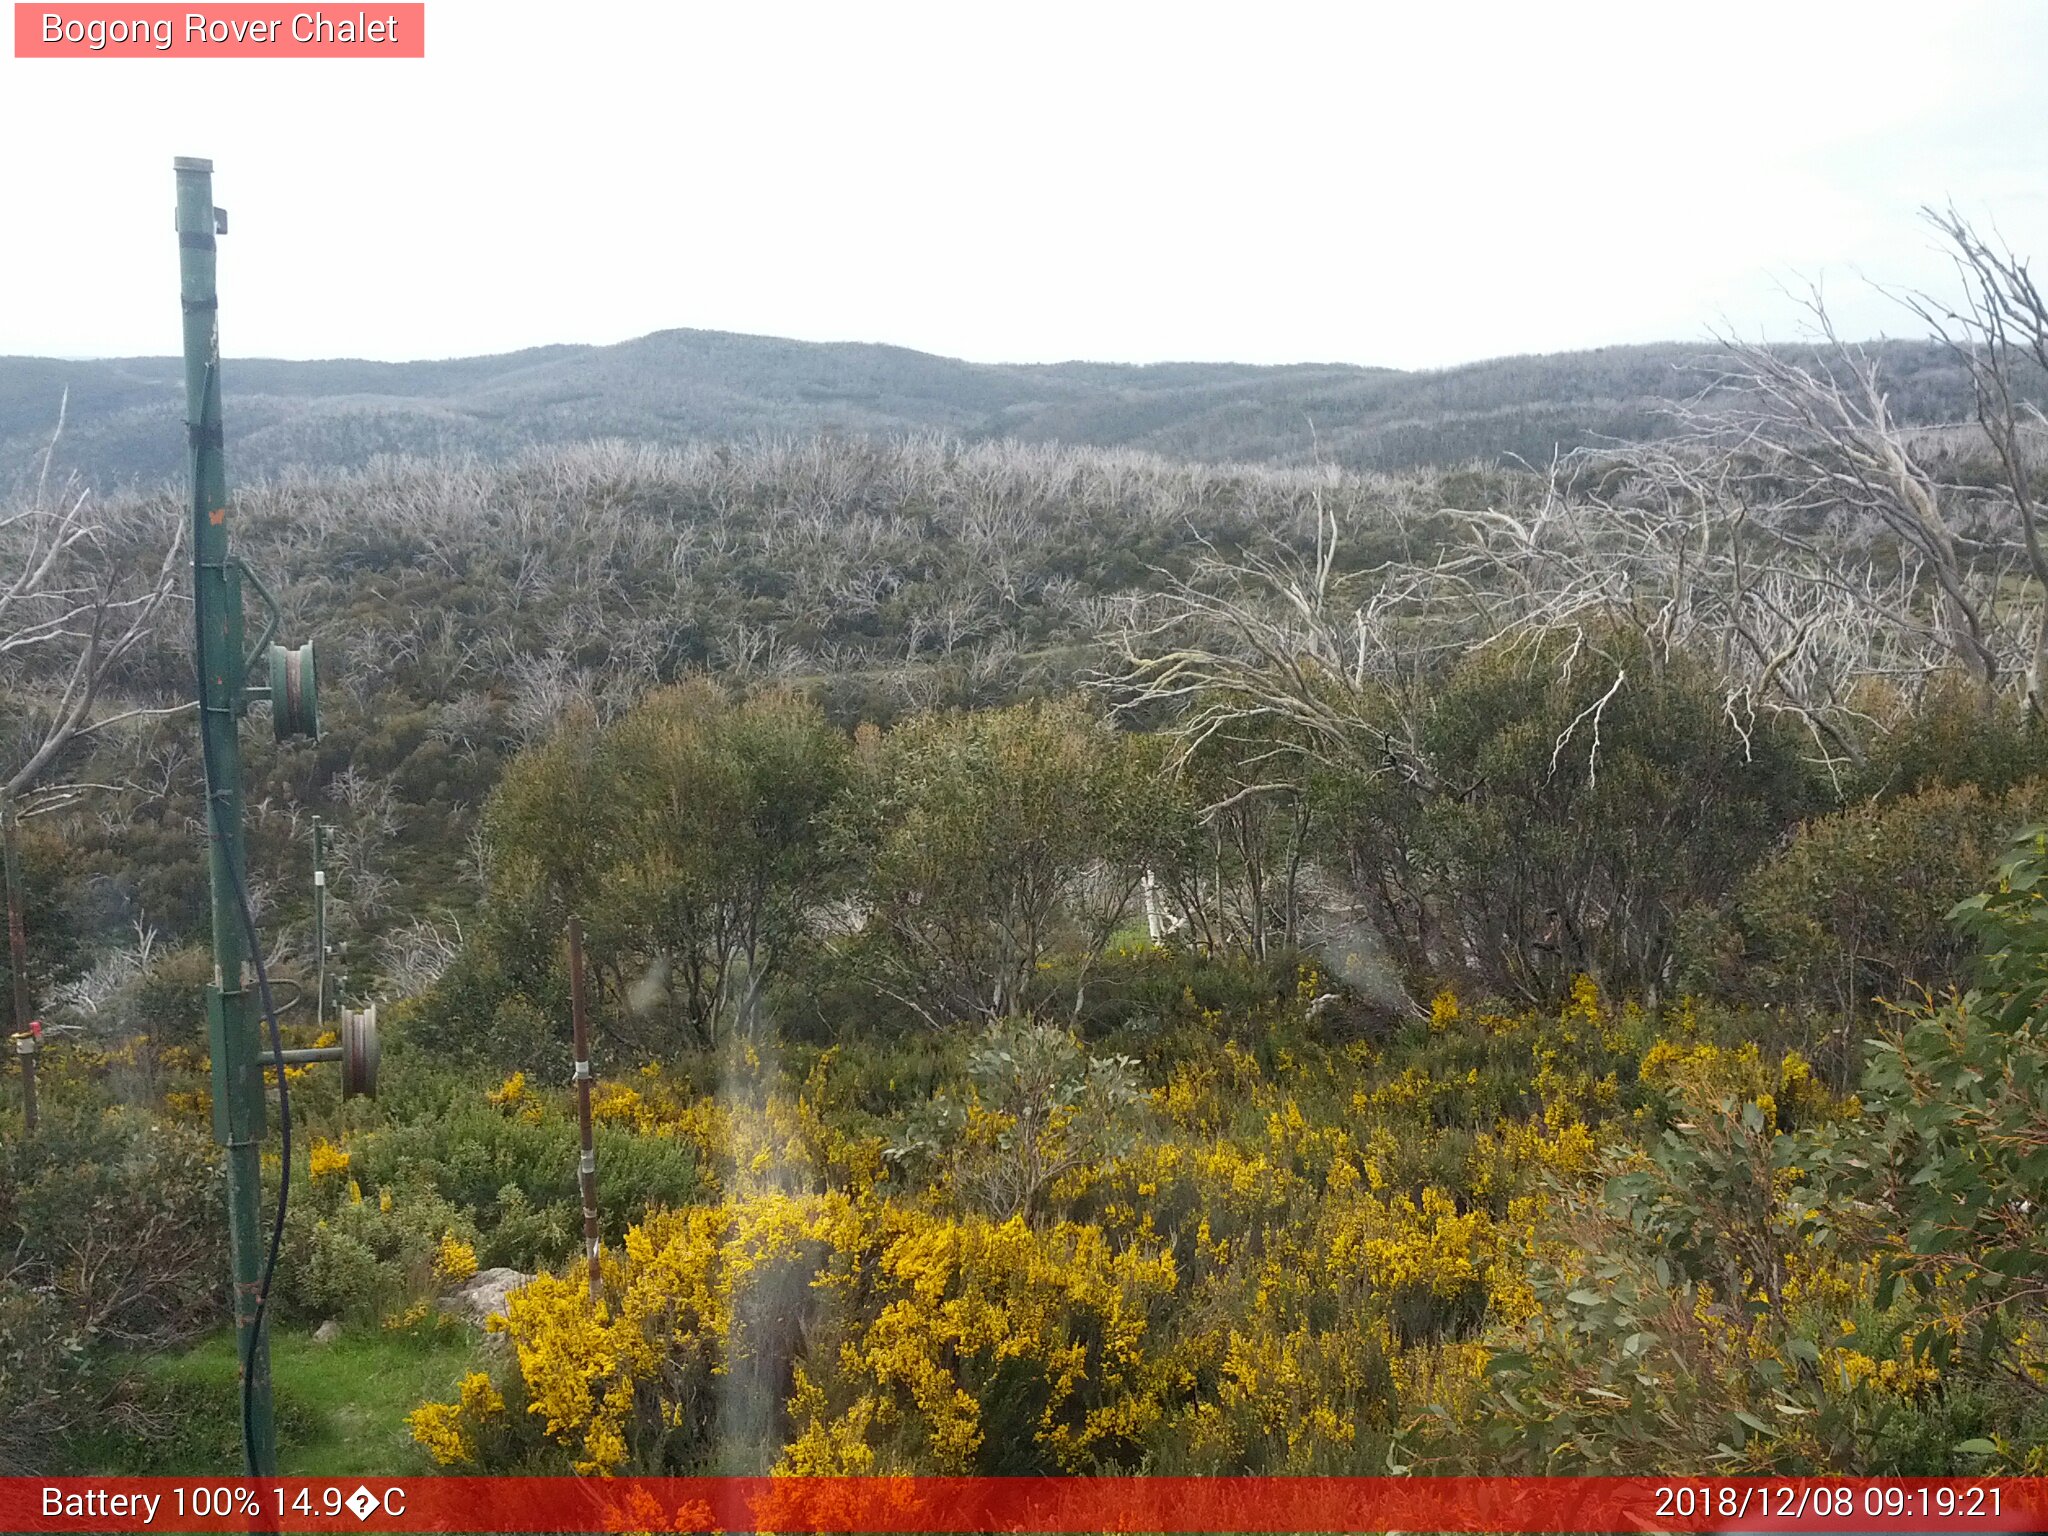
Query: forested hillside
[677,386]
[1098,961]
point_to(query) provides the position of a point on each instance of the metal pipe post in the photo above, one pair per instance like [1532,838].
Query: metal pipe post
[303,1056]
[17,921]
[26,1044]
[319,925]
[217,617]
[586,1167]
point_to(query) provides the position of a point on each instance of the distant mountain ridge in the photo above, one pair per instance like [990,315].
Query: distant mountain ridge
[124,415]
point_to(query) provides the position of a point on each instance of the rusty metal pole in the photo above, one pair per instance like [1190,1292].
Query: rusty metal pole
[26,1045]
[17,925]
[26,1039]
[586,1167]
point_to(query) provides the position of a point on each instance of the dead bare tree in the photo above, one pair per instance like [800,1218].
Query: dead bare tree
[74,607]
[1273,643]
[1792,534]
[1998,330]
[1683,545]
[1824,437]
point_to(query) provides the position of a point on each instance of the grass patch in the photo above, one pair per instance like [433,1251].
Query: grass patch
[340,1407]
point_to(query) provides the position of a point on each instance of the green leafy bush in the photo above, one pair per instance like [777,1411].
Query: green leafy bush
[1717,1305]
[1040,1107]
[1957,1105]
[689,835]
[513,1178]
[989,842]
[112,1239]
[365,1257]
[1564,817]
[1857,907]
[1948,738]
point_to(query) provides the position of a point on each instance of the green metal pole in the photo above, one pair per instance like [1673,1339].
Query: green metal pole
[217,614]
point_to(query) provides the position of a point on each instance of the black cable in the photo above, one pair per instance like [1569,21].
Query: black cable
[284,1176]
[255,947]
[284,1118]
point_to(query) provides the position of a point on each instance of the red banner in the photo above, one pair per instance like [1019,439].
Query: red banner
[1025,1504]
[225,31]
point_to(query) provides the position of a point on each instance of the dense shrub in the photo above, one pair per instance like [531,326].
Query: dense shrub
[989,842]
[56,919]
[1570,814]
[1256,1270]
[1037,1106]
[166,1003]
[1683,1318]
[49,1389]
[121,1218]
[515,1162]
[1956,1146]
[689,835]
[112,1242]
[478,1016]
[1732,1298]
[1856,908]
[1949,737]
[367,1257]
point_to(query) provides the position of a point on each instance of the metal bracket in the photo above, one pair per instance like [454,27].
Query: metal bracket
[270,624]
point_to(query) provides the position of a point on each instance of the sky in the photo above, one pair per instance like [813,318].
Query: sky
[1394,184]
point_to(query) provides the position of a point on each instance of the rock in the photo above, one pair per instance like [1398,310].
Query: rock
[328,1331]
[482,1295]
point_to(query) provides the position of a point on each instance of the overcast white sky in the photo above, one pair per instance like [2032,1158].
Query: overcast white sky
[1405,184]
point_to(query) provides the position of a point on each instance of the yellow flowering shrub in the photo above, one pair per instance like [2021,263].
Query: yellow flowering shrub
[1699,1074]
[455,1259]
[448,1431]
[911,1320]
[325,1159]
[1852,1370]
[508,1094]
[190,1104]
[1300,1255]
[1443,1010]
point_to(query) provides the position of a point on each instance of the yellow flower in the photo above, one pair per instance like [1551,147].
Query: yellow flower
[455,1259]
[448,1430]
[326,1158]
[509,1094]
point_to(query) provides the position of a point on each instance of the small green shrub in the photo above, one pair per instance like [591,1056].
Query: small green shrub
[1040,1107]
[1952,738]
[1955,1133]
[1856,908]
[93,1172]
[48,1389]
[471,1154]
